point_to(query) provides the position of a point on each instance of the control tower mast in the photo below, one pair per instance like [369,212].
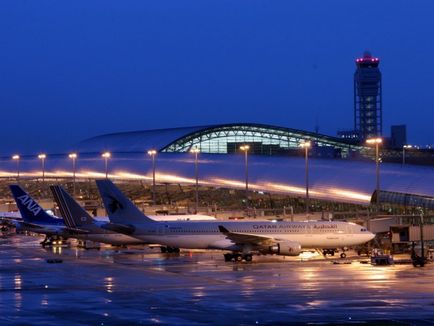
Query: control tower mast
[368,115]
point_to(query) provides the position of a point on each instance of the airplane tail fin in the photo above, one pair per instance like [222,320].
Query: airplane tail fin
[74,215]
[119,208]
[30,210]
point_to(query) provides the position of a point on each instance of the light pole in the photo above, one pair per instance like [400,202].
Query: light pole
[73,157]
[196,152]
[152,153]
[17,159]
[422,246]
[106,157]
[245,149]
[403,152]
[377,142]
[306,145]
[42,157]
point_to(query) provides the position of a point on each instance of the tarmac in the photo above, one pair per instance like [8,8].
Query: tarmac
[111,286]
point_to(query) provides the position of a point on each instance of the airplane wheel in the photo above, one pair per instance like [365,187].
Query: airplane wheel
[343,255]
[248,257]
[176,250]
[332,253]
[239,258]
[163,249]
[228,257]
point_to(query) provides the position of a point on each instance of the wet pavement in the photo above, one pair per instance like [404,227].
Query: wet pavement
[143,286]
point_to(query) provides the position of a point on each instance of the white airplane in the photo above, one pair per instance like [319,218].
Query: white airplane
[241,238]
[76,217]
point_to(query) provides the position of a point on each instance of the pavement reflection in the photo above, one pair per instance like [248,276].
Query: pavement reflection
[139,285]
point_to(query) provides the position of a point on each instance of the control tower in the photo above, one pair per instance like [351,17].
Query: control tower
[368,121]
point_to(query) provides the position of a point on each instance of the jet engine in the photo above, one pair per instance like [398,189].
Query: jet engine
[286,248]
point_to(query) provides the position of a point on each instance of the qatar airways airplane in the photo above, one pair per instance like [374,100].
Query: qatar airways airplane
[243,239]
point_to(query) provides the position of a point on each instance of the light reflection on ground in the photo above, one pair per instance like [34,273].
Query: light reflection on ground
[144,286]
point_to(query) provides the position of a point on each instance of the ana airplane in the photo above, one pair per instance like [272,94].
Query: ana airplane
[35,219]
[243,239]
[76,217]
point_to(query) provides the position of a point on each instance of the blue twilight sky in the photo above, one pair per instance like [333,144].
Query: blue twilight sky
[74,69]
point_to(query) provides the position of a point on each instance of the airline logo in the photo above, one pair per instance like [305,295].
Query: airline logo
[114,205]
[30,204]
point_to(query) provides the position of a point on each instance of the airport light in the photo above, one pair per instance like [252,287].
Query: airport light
[152,153]
[196,152]
[306,145]
[422,246]
[17,159]
[245,149]
[106,157]
[403,152]
[73,157]
[376,141]
[42,157]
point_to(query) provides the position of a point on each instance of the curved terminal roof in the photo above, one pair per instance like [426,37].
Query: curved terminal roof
[135,141]
[222,139]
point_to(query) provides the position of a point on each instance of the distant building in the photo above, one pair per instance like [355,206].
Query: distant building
[367,98]
[398,136]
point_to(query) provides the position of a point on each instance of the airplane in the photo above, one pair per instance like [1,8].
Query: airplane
[35,219]
[242,239]
[76,217]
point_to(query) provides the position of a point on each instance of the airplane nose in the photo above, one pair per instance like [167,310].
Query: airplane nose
[371,236]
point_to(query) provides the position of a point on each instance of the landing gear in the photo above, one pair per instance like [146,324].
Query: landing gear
[52,241]
[343,254]
[330,252]
[45,241]
[169,250]
[238,257]
[228,257]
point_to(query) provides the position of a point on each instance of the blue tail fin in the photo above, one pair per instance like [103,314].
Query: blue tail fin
[30,210]
[119,208]
[71,211]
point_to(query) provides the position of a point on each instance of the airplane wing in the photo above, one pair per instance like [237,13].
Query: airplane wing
[75,230]
[244,238]
[28,224]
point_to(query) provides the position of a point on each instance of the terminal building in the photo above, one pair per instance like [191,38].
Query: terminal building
[339,170]
[223,139]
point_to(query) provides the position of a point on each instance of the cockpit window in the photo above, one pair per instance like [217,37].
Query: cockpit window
[363,230]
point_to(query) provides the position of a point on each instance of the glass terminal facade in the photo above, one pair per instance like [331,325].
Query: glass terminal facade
[262,139]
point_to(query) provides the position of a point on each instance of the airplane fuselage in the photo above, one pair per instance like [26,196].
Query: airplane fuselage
[206,235]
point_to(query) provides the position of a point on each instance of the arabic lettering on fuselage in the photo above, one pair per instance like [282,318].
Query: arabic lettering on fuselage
[294,226]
